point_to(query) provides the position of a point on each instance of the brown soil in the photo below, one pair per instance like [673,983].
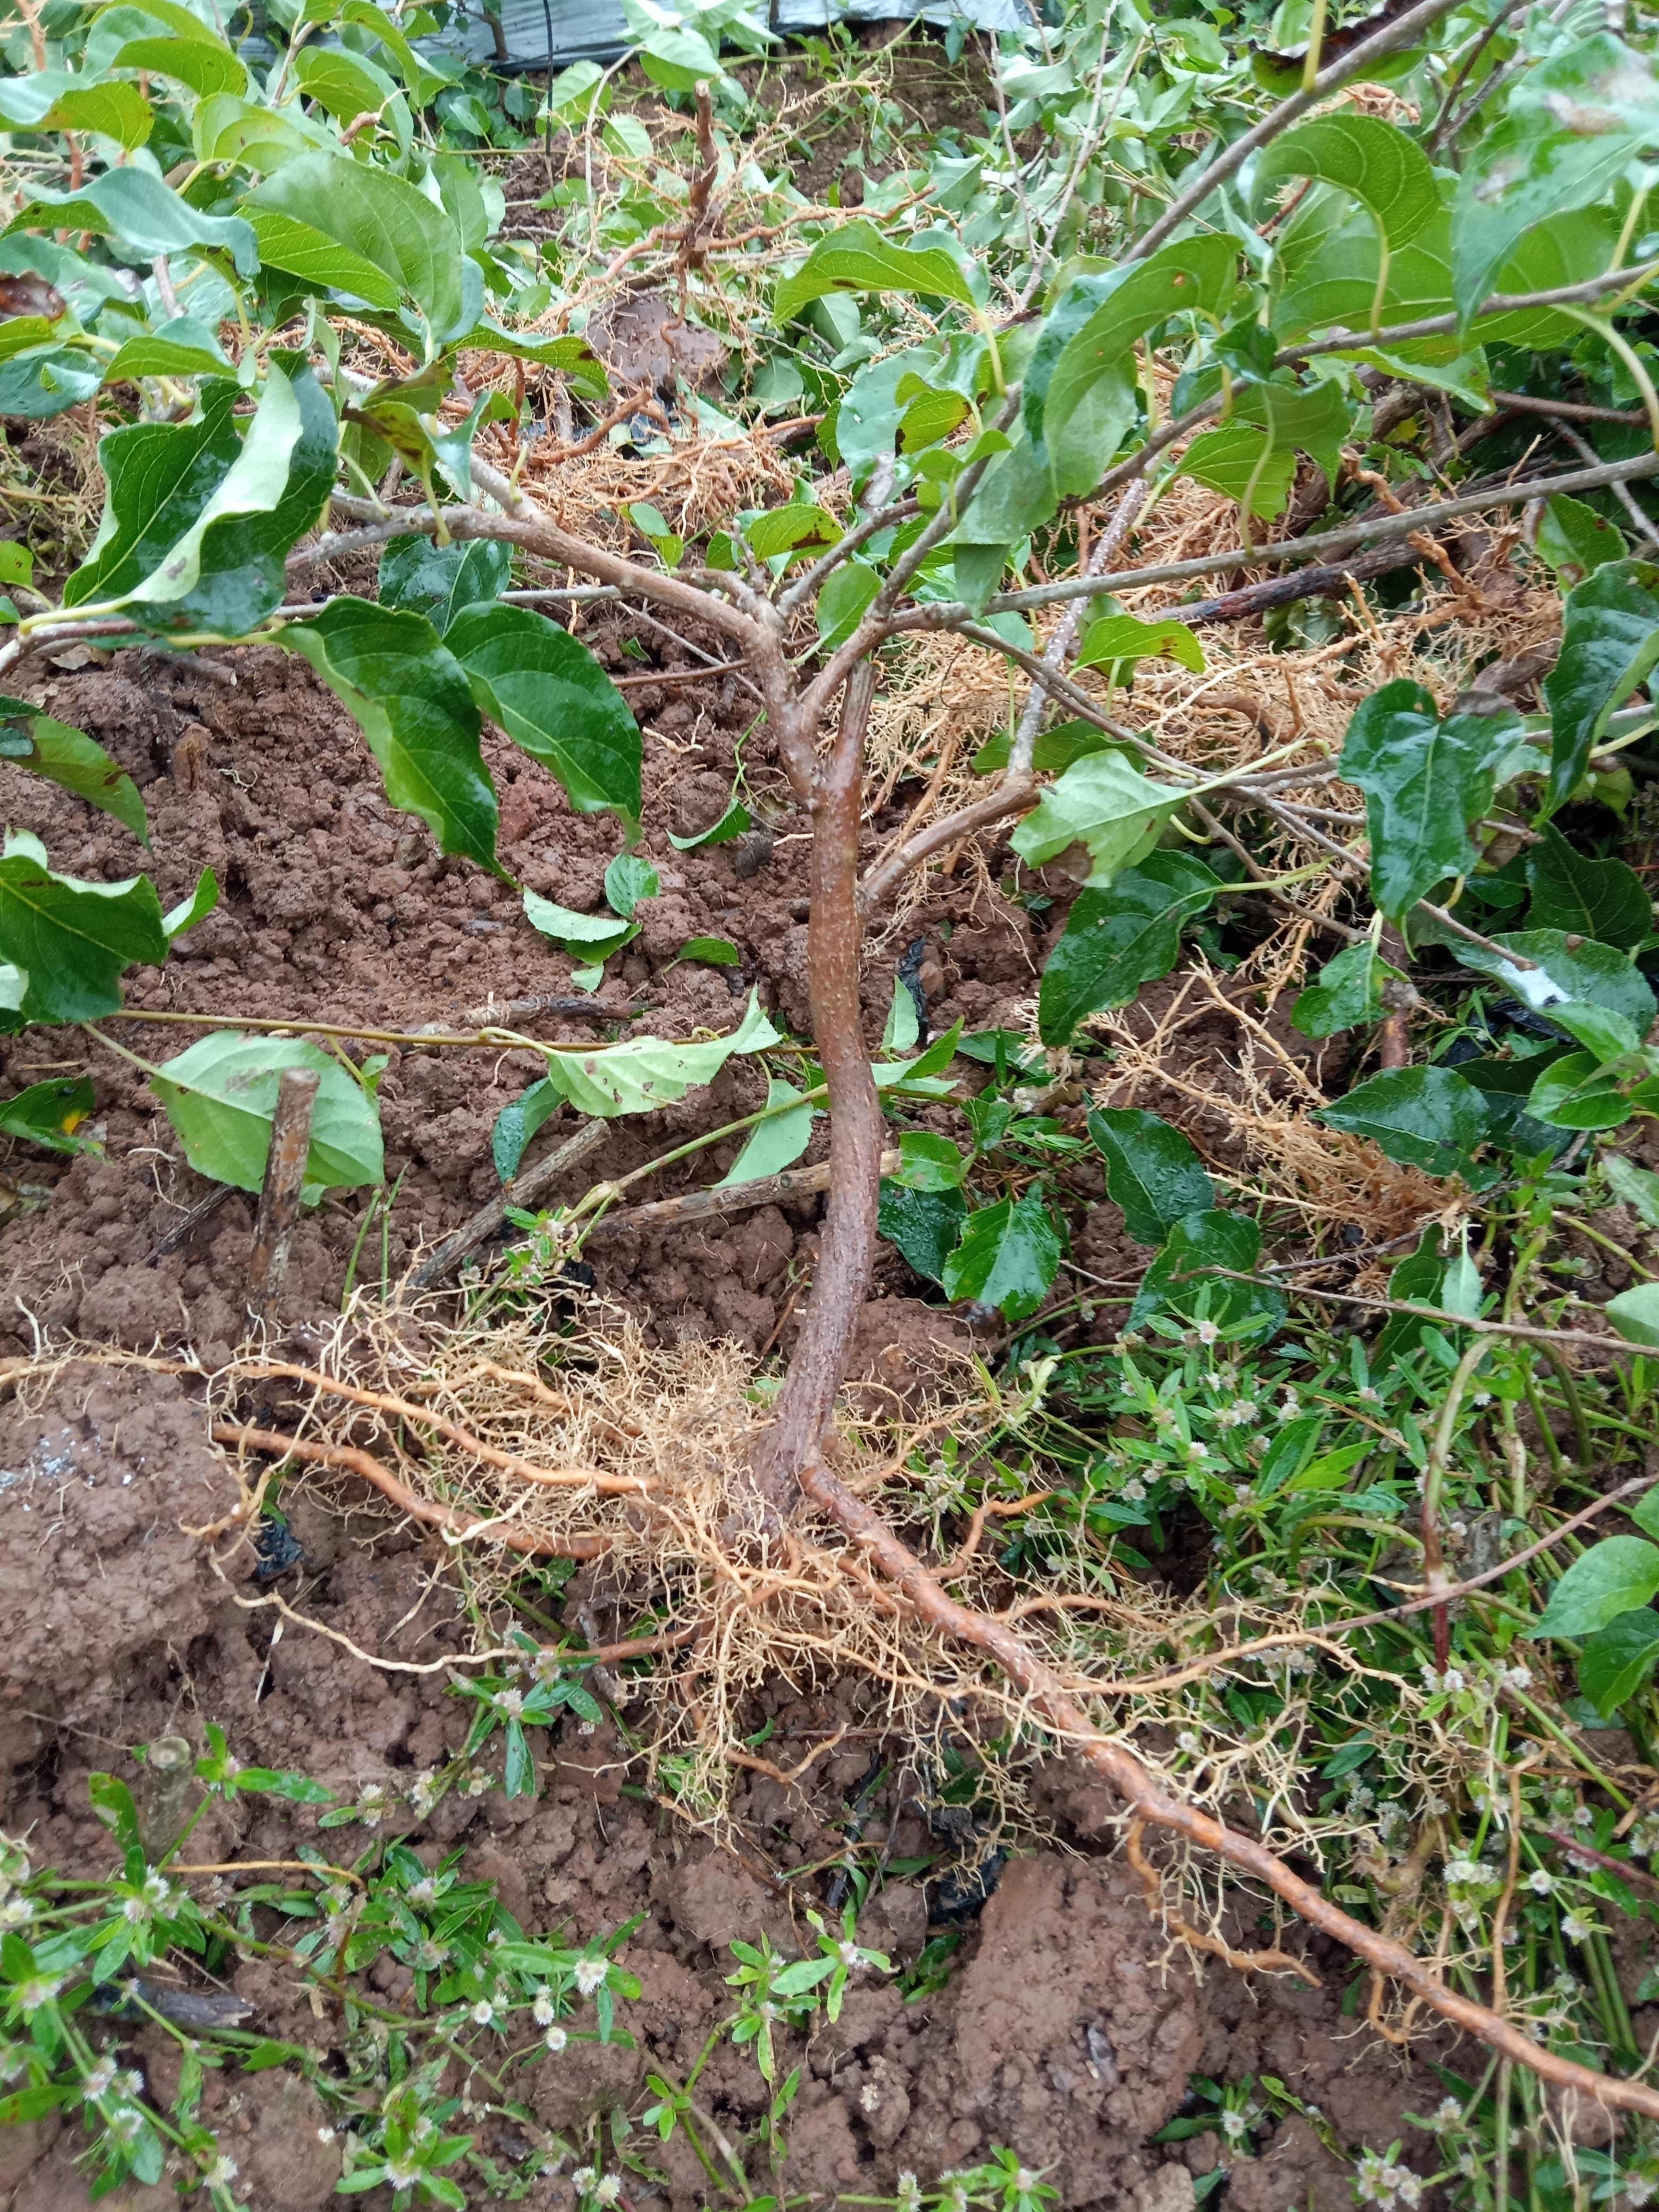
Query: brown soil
[1070,2027]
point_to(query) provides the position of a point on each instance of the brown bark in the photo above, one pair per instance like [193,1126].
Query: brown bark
[279,1199]
[834,937]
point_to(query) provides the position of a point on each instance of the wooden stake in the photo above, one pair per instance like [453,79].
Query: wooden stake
[279,1201]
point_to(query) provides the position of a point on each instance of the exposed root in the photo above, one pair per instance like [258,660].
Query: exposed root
[1199,1939]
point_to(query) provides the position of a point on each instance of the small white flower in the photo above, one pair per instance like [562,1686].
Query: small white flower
[1448,2112]
[1582,1816]
[1243,1410]
[1289,1407]
[1516,1678]
[1134,1490]
[590,1974]
[1196,1451]
[1540,1883]
[1368,1397]
[583,2179]
[38,1991]
[850,1954]
[402,2173]
[1026,2181]
[509,1701]
[608,2190]
[1188,1742]
[1576,1928]
[1234,2126]
[220,2173]
[1453,1679]
[541,2010]
[324,2134]
[102,2077]
[555,2038]
[483,2013]
[423,1892]
[908,2193]
[1206,1332]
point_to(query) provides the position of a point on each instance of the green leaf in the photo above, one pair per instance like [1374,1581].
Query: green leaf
[134,205]
[1574,122]
[1177,1280]
[857,258]
[53,100]
[1054,752]
[645,1073]
[411,700]
[1077,394]
[713,952]
[204,64]
[199,521]
[1423,1117]
[69,757]
[1008,1256]
[1373,162]
[776,1143]
[1562,969]
[551,696]
[346,85]
[47,380]
[1618,1658]
[300,249]
[1576,1092]
[442,582]
[182,347]
[923,1225]
[1635,1314]
[49,1113]
[846,597]
[376,215]
[1609,645]
[1243,463]
[1347,992]
[1634,1187]
[1122,637]
[196,907]
[629,880]
[1151,1171]
[71,939]
[596,935]
[220,1096]
[1119,939]
[929,1163]
[1102,803]
[1613,1577]
[518,1122]
[1426,781]
[1602,899]
[1577,541]
[781,529]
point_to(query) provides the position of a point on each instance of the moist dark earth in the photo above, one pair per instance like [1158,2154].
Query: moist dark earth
[1070,2026]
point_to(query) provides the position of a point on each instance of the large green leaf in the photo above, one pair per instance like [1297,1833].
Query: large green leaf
[198,522]
[1574,123]
[1372,160]
[645,1073]
[1618,1658]
[182,347]
[1116,638]
[778,1143]
[204,64]
[53,100]
[1602,899]
[1565,966]
[441,581]
[220,1096]
[858,258]
[924,1226]
[593,937]
[1426,781]
[46,380]
[305,252]
[1423,1117]
[63,756]
[71,939]
[1007,1257]
[1613,1577]
[1177,1279]
[1609,645]
[1577,541]
[347,85]
[1119,939]
[1151,1171]
[133,206]
[551,696]
[376,215]
[1102,803]
[1078,393]
[411,700]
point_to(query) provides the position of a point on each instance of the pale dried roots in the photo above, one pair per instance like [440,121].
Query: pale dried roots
[640,1462]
